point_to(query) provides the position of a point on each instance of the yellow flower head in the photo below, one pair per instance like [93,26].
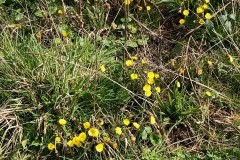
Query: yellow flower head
[136,125]
[134,57]
[118,130]
[148,93]
[102,68]
[182,21]
[38,35]
[86,125]
[156,75]
[205,6]
[127,2]
[70,143]
[76,141]
[100,122]
[126,122]
[152,119]
[51,146]
[129,63]
[150,74]
[144,61]
[200,10]
[208,16]
[93,132]
[57,139]
[208,93]
[207,1]
[60,11]
[64,34]
[106,139]
[201,21]
[134,76]
[82,137]
[148,8]
[158,89]
[147,87]
[62,121]
[150,80]
[140,8]
[99,147]
[209,63]
[181,71]
[186,12]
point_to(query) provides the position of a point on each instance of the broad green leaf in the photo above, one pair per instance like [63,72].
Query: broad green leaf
[132,44]
[38,14]
[155,139]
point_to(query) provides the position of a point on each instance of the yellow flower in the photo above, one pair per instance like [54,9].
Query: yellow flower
[99,147]
[126,122]
[207,1]
[186,12]
[114,145]
[86,125]
[82,137]
[200,10]
[127,2]
[100,122]
[134,57]
[70,143]
[114,25]
[78,143]
[62,121]
[134,76]
[178,84]
[60,11]
[129,63]
[106,139]
[148,8]
[38,35]
[51,146]
[147,87]
[64,34]
[144,61]
[230,58]
[136,125]
[208,93]
[182,21]
[150,80]
[148,93]
[93,132]
[156,75]
[209,63]
[118,130]
[208,16]
[150,74]
[205,6]
[57,139]
[201,21]
[140,8]
[158,89]
[102,68]
[152,119]
[199,71]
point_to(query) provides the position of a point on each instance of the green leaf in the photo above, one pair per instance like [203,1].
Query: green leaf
[228,26]
[132,44]
[144,135]
[52,9]
[232,16]
[19,17]
[57,40]
[2,1]
[148,129]
[38,14]
[24,143]
[155,139]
